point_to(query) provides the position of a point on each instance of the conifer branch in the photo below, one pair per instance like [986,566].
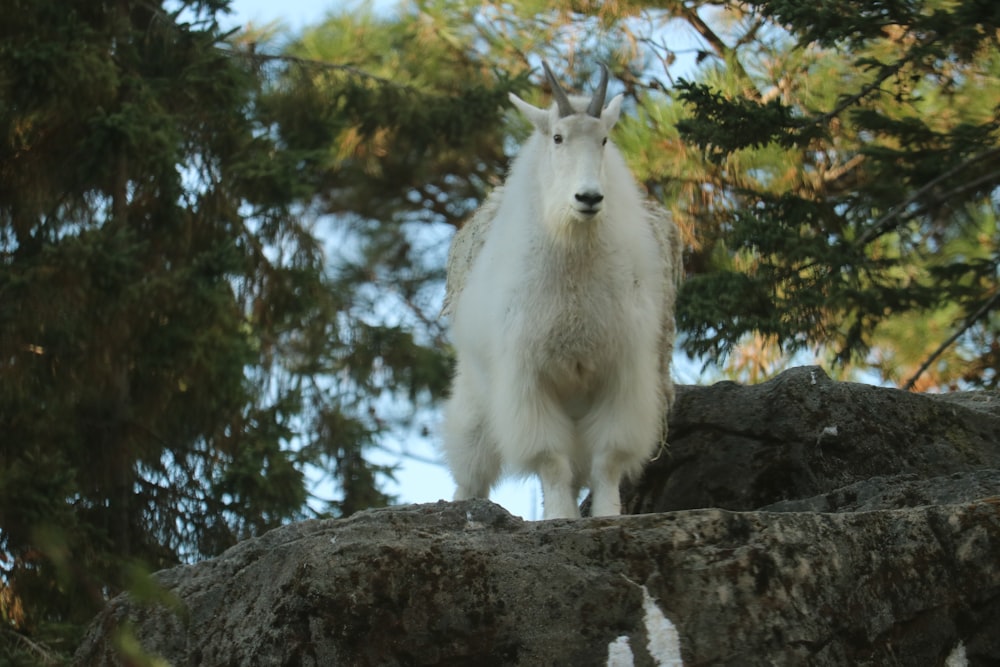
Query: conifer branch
[258,58]
[886,72]
[690,15]
[898,211]
[849,101]
[45,655]
[966,325]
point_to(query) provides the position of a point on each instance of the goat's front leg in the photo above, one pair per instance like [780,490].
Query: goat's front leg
[536,437]
[468,443]
[620,434]
[558,491]
[605,480]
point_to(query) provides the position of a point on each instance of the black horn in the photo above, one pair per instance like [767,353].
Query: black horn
[597,101]
[565,108]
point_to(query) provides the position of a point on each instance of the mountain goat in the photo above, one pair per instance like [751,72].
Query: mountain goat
[561,295]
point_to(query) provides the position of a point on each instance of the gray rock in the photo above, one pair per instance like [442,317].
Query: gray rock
[874,543]
[802,435]
[467,584]
[898,491]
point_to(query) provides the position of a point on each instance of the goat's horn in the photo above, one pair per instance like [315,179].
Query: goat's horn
[597,101]
[565,108]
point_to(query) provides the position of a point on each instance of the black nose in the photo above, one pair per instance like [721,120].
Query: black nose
[591,199]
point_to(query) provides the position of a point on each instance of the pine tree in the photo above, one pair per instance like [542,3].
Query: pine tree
[855,165]
[175,354]
[141,307]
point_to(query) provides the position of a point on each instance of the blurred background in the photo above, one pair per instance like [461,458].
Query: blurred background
[224,226]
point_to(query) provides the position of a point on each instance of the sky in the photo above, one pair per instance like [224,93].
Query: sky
[417,480]
[294,13]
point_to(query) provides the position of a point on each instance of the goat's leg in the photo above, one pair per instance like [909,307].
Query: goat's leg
[536,436]
[475,467]
[605,479]
[620,433]
[557,487]
[469,446]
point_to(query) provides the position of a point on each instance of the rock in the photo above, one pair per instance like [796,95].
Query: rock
[803,436]
[878,546]
[897,491]
[466,583]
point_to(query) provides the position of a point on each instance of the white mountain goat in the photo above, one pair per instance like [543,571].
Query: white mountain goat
[561,294]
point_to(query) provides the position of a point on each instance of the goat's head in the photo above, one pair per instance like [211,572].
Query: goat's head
[571,161]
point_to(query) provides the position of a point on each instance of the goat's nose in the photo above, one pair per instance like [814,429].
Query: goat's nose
[590,198]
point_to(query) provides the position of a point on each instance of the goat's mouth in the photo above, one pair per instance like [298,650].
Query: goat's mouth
[587,211]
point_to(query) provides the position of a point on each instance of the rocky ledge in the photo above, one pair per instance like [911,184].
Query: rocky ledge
[797,522]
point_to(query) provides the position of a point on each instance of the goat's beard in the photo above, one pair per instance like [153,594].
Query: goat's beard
[568,218]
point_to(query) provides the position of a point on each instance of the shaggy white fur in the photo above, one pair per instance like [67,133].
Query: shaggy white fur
[561,292]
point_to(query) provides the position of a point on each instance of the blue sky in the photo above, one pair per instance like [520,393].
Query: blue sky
[294,13]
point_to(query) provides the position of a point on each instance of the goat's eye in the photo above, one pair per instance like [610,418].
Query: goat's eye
[558,138]
[604,141]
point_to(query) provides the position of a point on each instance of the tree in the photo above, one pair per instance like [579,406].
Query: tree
[175,353]
[854,166]
[136,304]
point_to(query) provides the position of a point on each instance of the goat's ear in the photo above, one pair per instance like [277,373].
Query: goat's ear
[611,112]
[538,117]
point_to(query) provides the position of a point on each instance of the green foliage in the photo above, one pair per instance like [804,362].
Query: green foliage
[843,178]
[221,261]
[178,354]
[719,125]
[391,131]
[159,300]
[827,23]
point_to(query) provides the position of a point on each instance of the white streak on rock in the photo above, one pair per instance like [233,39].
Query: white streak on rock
[620,653]
[957,657]
[664,643]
